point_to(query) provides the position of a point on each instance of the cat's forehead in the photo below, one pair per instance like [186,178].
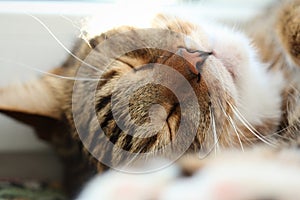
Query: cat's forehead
[96,25]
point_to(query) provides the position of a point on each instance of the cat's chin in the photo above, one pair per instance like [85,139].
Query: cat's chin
[258,91]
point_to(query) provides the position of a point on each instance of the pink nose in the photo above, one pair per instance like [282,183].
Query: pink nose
[195,57]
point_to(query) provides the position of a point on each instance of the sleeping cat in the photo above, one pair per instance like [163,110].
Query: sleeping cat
[130,96]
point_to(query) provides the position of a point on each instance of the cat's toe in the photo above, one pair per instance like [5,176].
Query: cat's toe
[115,185]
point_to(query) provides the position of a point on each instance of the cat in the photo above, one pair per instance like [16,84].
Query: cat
[131,95]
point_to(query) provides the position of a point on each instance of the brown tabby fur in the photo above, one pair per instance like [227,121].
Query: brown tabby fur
[281,49]
[276,34]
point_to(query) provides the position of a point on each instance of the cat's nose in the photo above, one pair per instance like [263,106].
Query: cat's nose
[196,58]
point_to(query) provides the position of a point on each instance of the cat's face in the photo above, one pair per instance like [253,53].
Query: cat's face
[174,88]
[165,90]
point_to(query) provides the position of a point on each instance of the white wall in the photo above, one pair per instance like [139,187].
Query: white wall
[25,42]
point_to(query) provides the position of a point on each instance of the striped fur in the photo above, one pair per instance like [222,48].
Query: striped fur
[276,37]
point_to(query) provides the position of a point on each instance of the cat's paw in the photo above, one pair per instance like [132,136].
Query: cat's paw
[255,174]
[116,185]
[258,174]
[289,29]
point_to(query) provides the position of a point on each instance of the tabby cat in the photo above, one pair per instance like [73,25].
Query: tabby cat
[130,95]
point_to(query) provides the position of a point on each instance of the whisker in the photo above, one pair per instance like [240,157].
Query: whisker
[246,139]
[236,132]
[212,116]
[233,125]
[48,73]
[61,44]
[82,33]
[71,21]
[249,126]
[278,132]
[216,138]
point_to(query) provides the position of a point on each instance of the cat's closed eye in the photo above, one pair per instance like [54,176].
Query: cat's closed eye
[133,95]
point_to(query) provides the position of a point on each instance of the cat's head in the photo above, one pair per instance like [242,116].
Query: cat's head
[177,86]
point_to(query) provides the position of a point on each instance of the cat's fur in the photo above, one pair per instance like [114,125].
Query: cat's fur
[246,93]
[255,174]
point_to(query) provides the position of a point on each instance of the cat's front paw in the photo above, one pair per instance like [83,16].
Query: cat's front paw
[256,174]
[116,185]
[289,29]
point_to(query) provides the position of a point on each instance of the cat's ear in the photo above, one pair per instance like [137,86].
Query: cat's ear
[33,103]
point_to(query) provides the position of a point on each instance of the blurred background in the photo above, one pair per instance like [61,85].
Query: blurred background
[35,35]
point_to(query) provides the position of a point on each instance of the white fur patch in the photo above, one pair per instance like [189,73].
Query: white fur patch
[115,185]
[231,176]
[240,177]
[259,91]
